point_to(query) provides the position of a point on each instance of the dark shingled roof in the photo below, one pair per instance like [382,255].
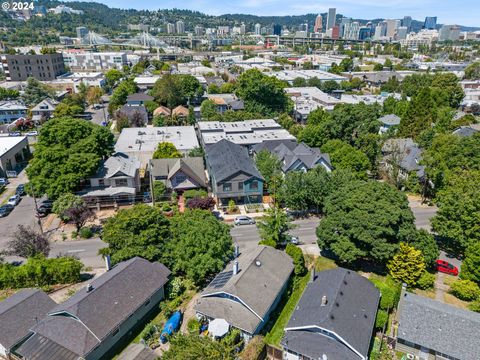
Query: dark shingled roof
[438,326]
[20,312]
[137,352]
[226,159]
[139,97]
[114,297]
[349,312]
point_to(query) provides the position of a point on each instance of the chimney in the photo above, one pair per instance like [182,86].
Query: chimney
[235,267]
[312,275]
[107,262]
[236,251]
[324,300]
[89,288]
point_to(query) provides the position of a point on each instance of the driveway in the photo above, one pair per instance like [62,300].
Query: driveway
[99,114]
[23,214]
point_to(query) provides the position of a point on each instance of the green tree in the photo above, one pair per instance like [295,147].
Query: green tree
[112,76]
[262,93]
[94,94]
[299,82]
[208,110]
[425,242]
[120,94]
[159,189]
[274,226]
[194,346]
[466,290]
[35,92]
[298,260]
[64,109]
[345,156]
[269,166]
[458,216]
[67,151]
[471,263]
[166,150]
[363,220]
[65,202]
[421,113]
[472,71]
[139,231]
[378,67]
[407,265]
[200,247]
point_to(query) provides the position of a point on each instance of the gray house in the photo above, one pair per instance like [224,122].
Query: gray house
[18,314]
[179,174]
[44,110]
[433,330]
[334,318]
[233,174]
[403,154]
[117,179]
[247,290]
[295,156]
[90,323]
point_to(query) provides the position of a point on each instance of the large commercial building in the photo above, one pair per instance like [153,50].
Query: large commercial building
[318,24]
[332,12]
[430,23]
[20,67]
[14,152]
[95,61]
[449,33]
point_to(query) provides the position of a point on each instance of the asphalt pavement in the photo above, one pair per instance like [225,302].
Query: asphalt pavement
[85,250]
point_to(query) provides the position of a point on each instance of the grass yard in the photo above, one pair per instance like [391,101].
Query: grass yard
[430,293]
[452,300]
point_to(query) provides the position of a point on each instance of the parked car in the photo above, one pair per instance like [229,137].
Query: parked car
[294,240]
[14,200]
[4,181]
[32,133]
[446,267]
[217,215]
[15,133]
[42,212]
[20,190]
[243,220]
[5,210]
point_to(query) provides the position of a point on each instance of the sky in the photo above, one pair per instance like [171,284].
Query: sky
[461,12]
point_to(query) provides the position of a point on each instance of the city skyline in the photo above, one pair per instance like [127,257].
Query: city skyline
[447,13]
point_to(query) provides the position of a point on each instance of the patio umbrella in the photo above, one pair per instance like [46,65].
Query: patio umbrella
[218,327]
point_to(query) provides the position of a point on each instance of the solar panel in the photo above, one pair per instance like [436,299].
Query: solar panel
[221,279]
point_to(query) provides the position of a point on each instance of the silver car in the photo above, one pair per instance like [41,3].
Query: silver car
[243,220]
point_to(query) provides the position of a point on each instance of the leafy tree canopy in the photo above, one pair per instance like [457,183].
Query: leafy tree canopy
[471,263]
[166,150]
[345,156]
[407,265]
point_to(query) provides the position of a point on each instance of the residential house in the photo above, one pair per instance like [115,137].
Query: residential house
[137,115]
[294,156]
[98,317]
[233,174]
[44,110]
[334,318]
[387,122]
[180,112]
[138,99]
[432,330]
[226,102]
[18,314]
[11,111]
[117,180]
[247,291]
[404,156]
[179,174]
[309,98]
[162,111]
[141,142]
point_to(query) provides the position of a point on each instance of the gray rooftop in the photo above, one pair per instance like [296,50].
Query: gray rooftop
[118,164]
[20,312]
[263,272]
[349,313]
[408,152]
[139,97]
[390,119]
[438,326]
[465,131]
[115,296]
[226,159]
[191,166]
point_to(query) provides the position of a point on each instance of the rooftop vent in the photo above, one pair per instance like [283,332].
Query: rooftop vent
[324,300]
[89,288]
[258,263]
[235,267]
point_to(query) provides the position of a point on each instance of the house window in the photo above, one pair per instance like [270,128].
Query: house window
[240,186]
[254,185]
[227,187]
[121,182]
[115,332]
[101,182]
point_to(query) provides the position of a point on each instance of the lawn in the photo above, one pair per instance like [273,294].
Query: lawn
[452,300]
[274,336]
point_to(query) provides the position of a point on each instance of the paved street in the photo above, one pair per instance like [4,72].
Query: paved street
[23,214]
[85,250]
[247,236]
[423,213]
[99,114]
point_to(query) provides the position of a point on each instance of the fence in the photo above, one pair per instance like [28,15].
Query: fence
[274,353]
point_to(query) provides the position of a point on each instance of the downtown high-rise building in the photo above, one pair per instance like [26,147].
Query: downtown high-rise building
[407,22]
[180,27]
[318,27]
[258,29]
[242,29]
[170,28]
[392,26]
[430,23]
[351,31]
[401,33]
[449,33]
[380,30]
[343,22]
[332,13]
[277,29]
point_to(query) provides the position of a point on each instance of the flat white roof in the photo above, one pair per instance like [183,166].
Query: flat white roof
[147,139]
[290,75]
[9,142]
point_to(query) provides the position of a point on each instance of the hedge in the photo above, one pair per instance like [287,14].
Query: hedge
[390,291]
[190,194]
[298,260]
[465,290]
[38,272]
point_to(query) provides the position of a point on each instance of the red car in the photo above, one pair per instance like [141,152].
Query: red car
[446,267]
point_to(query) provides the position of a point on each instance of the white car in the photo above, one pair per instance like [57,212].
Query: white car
[32,133]
[243,220]
[14,200]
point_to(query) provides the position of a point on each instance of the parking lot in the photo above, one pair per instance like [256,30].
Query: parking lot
[23,214]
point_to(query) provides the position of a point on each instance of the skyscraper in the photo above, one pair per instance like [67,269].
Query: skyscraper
[392,26]
[364,33]
[242,29]
[170,28]
[258,29]
[343,22]
[380,30]
[331,18]
[277,29]
[407,22]
[180,27]
[401,33]
[430,23]
[449,32]
[318,24]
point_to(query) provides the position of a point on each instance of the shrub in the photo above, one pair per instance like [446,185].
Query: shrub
[253,349]
[475,306]
[86,233]
[232,206]
[201,203]
[190,194]
[426,281]
[381,320]
[298,260]
[465,290]
[390,291]
[159,189]
[39,271]
[193,326]
[268,242]
[176,287]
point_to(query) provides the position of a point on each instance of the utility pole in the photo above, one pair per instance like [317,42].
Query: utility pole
[36,210]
